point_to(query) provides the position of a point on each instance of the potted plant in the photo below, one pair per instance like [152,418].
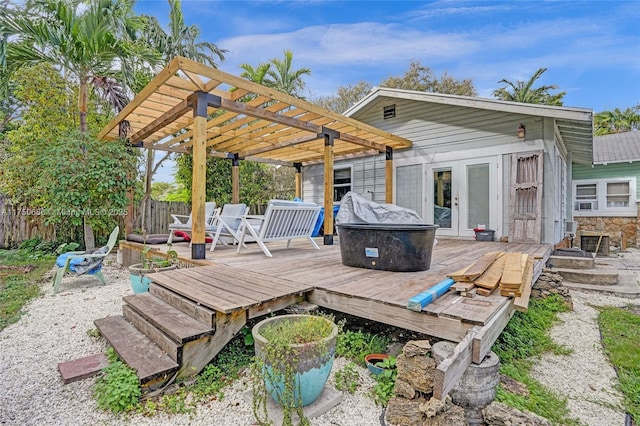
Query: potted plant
[137,272]
[380,363]
[294,356]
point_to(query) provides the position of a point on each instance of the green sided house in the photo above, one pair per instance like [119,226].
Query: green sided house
[502,165]
[607,193]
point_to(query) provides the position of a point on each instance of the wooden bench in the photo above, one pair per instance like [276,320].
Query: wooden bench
[283,220]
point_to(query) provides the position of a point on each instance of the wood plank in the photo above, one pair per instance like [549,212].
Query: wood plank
[485,336]
[189,307]
[451,369]
[198,353]
[164,342]
[398,316]
[203,293]
[171,321]
[135,349]
[475,311]
[484,291]
[463,286]
[513,268]
[82,368]
[521,303]
[491,277]
[480,266]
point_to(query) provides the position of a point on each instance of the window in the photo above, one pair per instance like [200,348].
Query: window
[605,197]
[341,182]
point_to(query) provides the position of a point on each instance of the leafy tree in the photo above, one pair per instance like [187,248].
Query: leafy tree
[617,121]
[421,78]
[98,193]
[345,97]
[96,46]
[46,139]
[523,91]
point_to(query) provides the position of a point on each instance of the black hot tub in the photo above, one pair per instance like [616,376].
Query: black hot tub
[389,247]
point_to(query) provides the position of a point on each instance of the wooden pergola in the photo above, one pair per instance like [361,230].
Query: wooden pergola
[192,108]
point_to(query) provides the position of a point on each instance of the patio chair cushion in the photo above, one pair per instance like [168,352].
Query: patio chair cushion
[154,238]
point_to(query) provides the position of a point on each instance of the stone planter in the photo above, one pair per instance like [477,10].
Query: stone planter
[306,364]
[137,275]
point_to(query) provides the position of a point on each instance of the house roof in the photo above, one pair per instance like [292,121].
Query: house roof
[244,119]
[574,125]
[616,148]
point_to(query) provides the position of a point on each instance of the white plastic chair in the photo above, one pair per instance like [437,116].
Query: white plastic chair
[227,224]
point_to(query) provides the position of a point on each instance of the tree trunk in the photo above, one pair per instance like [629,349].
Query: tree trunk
[145,205]
[89,238]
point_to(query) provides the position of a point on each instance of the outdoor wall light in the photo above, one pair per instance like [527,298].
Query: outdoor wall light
[521,131]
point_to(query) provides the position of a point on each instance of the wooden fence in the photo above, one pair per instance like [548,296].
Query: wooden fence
[18,224]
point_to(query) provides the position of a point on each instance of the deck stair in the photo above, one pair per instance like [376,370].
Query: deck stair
[583,270]
[188,316]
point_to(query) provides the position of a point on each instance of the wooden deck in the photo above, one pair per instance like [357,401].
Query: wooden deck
[249,279]
[253,284]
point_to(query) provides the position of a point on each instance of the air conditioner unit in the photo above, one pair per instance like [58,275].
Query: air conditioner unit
[585,205]
[571,227]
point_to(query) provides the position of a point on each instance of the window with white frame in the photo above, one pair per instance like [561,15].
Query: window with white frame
[341,182]
[605,197]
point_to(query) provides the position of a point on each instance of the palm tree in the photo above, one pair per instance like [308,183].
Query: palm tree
[180,40]
[525,92]
[281,77]
[95,45]
[617,121]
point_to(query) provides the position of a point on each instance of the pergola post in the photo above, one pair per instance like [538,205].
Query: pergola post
[298,167]
[235,179]
[388,175]
[199,101]
[329,137]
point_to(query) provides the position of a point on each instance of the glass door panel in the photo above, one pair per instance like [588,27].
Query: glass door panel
[442,182]
[478,187]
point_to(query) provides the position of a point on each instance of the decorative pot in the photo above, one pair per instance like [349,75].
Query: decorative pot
[308,364]
[137,275]
[372,359]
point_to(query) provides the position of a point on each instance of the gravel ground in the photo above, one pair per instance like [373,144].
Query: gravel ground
[54,330]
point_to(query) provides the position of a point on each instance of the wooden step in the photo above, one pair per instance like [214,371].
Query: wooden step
[189,307]
[173,322]
[164,342]
[151,364]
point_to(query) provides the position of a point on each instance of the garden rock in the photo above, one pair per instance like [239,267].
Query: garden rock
[549,283]
[416,367]
[498,414]
[404,412]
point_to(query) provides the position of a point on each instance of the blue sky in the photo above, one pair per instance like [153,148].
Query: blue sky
[591,48]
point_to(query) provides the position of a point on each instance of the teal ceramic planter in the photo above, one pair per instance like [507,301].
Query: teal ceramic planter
[139,281]
[311,361]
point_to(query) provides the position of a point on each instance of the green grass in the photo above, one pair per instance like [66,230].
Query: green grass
[620,330]
[524,338]
[17,287]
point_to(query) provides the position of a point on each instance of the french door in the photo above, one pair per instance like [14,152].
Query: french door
[461,195]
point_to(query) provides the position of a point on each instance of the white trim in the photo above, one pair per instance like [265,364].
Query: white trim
[584,115]
[601,198]
[343,167]
[439,157]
